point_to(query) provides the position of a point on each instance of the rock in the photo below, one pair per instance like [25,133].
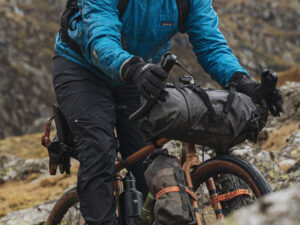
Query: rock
[265,161]
[291,106]
[32,216]
[174,147]
[278,208]
[14,168]
[285,180]
[27,34]
[281,169]
[295,167]
[261,28]
[28,30]
[285,165]
[292,148]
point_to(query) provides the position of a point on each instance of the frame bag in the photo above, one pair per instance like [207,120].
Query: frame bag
[166,181]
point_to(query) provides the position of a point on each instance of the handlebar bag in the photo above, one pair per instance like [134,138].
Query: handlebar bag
[218,119]
[171,207]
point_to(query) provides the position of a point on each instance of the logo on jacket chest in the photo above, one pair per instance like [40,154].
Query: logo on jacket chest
[167,23]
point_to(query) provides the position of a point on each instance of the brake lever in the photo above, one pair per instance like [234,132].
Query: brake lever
[185,79]
[269,81]
[268,90]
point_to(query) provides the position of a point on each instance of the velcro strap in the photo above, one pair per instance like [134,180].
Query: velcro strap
[205,98]
[175,189]
[230,195]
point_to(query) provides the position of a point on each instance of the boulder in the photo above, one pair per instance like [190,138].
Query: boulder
[278,208]
[292,149]
[291,106]
[14,168]
[33,216]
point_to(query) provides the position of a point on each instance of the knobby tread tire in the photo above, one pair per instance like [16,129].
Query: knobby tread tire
[232,165]
[227,183]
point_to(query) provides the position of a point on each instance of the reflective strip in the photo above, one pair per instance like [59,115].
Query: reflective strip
[121,67]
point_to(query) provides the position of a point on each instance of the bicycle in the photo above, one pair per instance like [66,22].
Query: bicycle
[66,209]
[218,174]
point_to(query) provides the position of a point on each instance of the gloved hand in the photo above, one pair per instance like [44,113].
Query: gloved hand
[245,85]
[273,101]
[149,78]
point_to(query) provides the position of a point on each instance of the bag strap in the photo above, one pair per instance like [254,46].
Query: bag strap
[175,189]
[205,98]
[183,7]
[181,187]
[232,92]
[70,10]
[71,3]
[186,203]
[230,195]
[46,142]
[122,6]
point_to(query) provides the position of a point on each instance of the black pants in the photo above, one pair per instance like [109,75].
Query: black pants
[90,106]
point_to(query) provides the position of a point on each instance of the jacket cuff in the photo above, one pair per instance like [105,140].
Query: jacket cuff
[121,69]
[236,77]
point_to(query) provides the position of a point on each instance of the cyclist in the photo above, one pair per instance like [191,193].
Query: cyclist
[96,73]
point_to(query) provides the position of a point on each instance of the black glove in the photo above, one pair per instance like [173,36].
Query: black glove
[275,102]
[149,78]
[272,100]
[245,85]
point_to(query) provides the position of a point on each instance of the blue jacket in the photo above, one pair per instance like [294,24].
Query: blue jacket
[147,28]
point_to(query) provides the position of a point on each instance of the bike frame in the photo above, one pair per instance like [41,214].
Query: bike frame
[189,160]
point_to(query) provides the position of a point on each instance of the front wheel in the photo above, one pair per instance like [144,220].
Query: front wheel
[229,174]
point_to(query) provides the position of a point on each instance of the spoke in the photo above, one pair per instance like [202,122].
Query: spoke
[72,216]
[77,215]
[69,218]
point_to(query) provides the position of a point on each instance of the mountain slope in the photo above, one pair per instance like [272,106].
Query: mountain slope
[262,34]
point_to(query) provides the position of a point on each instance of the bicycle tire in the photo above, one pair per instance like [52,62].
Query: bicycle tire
[227,164]
[64,203]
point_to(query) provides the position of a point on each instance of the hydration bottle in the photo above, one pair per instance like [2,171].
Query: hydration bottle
[131,202]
